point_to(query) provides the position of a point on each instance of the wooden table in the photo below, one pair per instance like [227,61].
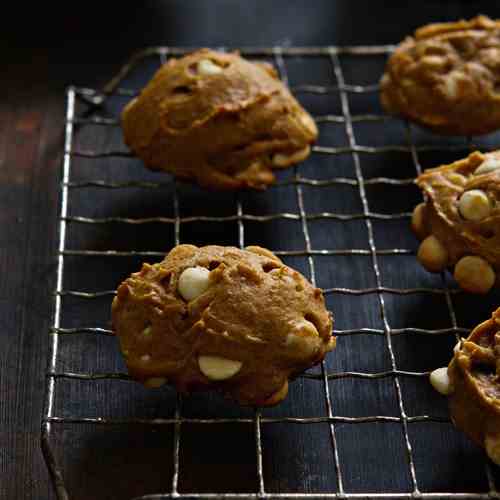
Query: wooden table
[84,45]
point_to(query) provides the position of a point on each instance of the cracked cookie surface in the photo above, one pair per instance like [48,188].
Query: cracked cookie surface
[459,224]
[219,120]
[214,317]
[472,384]
[447,77]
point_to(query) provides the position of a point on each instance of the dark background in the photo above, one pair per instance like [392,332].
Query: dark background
[44,49]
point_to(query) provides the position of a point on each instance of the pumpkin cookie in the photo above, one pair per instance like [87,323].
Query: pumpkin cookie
[472,384]
[447,77]
[459,225]
[214,317]
[219,120]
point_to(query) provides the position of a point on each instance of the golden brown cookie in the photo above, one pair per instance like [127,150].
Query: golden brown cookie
[460,222]
[447,77]
[214,317]
[219,120]
[472,384]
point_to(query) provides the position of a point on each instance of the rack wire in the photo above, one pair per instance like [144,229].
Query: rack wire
[95,99]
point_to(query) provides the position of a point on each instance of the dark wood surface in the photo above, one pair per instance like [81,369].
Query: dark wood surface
[84,44]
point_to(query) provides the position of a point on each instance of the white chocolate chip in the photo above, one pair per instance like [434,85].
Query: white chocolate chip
[155,382]
[432,254]
[474,205]
[303,339]
[193,281]
[488,165]
[474,274]
[145,358]
[207,67]
[492,447]
[418,221]
[440,381]
[285,160]
[217,368]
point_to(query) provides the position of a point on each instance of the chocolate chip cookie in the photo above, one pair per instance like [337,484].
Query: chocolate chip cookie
[218,120]
[214,317]
[472,384]
[460,221]
[447,77]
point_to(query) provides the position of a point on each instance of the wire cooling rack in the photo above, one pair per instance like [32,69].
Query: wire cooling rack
[347,462]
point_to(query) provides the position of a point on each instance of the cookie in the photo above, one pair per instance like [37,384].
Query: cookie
[460,221]
[472,384]
[447,77]
[218,120]
[238,321]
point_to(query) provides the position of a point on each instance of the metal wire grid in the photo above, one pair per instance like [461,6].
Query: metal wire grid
[96,98]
